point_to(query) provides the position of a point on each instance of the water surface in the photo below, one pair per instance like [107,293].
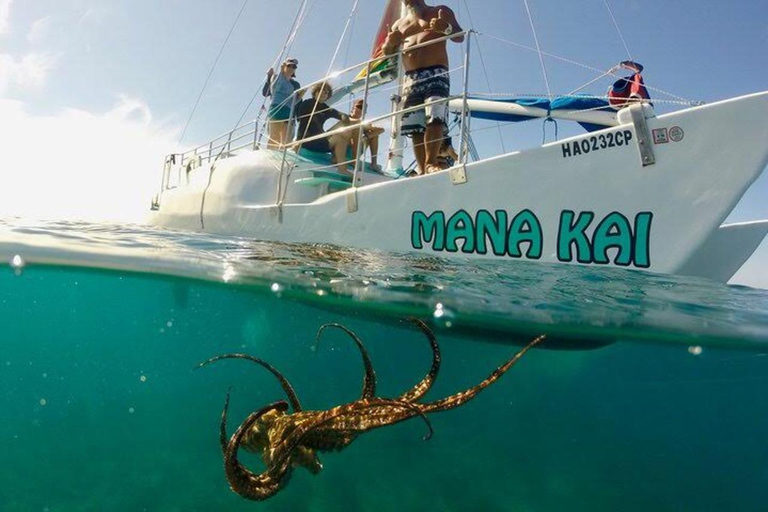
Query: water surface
[656,404]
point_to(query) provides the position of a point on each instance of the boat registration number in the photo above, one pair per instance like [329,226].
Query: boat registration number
[596,143]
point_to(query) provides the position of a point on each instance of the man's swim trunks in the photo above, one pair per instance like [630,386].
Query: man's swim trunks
[423,86]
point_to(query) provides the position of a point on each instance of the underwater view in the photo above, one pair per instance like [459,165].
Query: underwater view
[647,394]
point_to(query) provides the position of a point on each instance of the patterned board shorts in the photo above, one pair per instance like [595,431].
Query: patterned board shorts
[422,86]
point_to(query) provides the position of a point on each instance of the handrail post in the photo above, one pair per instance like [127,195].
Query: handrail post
[282,191]
[229,144]
[210,151]
[361,131]
[465,104]
[255,134]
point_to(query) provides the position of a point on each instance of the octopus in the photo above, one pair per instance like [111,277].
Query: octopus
[288,437]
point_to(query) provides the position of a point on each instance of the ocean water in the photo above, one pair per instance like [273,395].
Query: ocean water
[650,395]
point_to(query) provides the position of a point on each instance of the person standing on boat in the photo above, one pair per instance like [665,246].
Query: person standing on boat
[281,88]
[426,75]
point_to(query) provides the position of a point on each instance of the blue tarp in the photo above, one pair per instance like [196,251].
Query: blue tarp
[570,103]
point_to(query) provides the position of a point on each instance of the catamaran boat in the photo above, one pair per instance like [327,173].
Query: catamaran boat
[636,190]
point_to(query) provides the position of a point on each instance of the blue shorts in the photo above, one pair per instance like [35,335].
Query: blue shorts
[279,113]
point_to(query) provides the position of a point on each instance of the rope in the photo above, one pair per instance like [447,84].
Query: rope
[301,16]
[585,66]
[615,24]
[538,48]
[544,129]
[288,40]
[580,96]
[485,69]
[210,72]
[351,16]
[333,61]
[349,42]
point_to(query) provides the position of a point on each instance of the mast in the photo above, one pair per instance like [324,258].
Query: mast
[397,142]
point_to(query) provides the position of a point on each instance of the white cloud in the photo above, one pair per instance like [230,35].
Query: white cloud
[5,12]
[79,164]
[30,72]
[39,30]
[92,15]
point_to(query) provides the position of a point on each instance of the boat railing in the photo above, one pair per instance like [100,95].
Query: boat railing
[249,135]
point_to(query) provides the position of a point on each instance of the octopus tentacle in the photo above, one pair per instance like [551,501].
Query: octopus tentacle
[465,396]
[364,415]
[243,481]
[420,389]
[287,387]
[369,380]
[223,427]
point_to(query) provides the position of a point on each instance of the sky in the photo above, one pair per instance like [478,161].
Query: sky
[94,93]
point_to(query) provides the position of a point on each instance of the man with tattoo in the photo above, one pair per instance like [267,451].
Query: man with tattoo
[426,75]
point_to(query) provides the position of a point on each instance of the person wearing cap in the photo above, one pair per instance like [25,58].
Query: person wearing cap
[281,88]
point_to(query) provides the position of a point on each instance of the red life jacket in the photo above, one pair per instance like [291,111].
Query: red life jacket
[629,89]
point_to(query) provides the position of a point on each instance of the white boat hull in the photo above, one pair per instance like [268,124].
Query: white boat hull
[726,250]
[654,217]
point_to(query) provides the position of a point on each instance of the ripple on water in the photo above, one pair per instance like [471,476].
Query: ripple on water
[494,298]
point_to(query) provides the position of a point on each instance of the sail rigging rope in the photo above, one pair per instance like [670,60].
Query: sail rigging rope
[283,190]
[333,60]
[298,20]
[684,101]
[210,72]
[485,69]
[538,48]
[615,24]
[301,16]
[289,40]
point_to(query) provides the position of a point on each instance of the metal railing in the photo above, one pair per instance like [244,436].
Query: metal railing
[248,135]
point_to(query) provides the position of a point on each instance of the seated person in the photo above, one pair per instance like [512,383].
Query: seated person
[370,135]
[312,115]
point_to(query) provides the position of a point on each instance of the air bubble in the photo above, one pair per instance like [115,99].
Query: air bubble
[229,274]
[17,264]
[443,315]
[695,350]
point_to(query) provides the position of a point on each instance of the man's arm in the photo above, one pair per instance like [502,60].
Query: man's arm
[446,23]
[394,40]
[332,112]
[266,91]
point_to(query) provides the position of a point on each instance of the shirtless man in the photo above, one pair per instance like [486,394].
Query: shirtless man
[426,75]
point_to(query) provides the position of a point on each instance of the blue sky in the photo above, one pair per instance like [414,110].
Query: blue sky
[120,77]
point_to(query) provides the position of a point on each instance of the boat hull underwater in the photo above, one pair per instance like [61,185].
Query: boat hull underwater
[650,193]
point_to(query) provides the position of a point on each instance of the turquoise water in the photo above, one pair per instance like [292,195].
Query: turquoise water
[650,398]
